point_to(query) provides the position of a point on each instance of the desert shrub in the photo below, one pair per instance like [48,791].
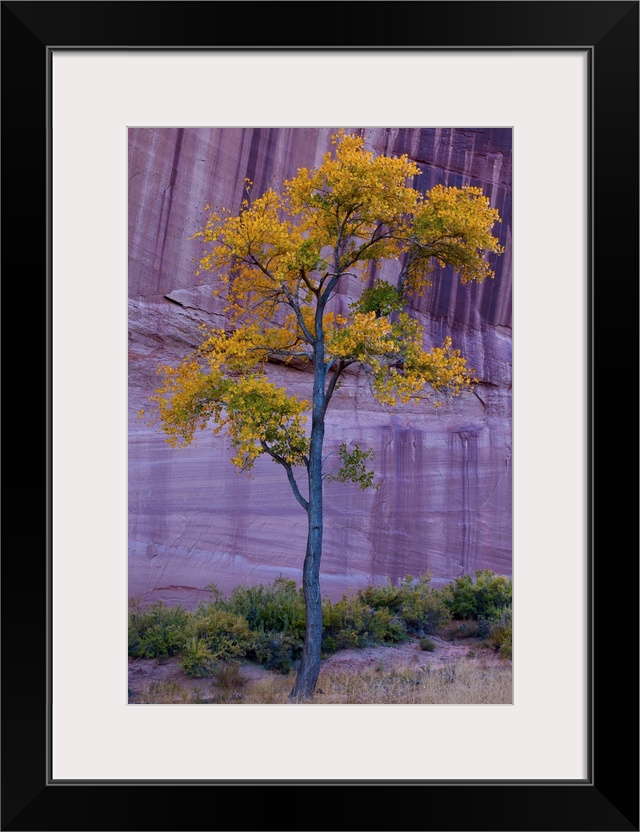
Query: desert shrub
[463,630]
[273,607]
[413,601]
[422,608]
[217,595]
[225,634]
[228,676]
[384,627]
[157,631]
[351,622]
[329,644]
[276,651]
[427,644]
[482,596]
[501,634]
[484,627]
[379,597]
[197,659]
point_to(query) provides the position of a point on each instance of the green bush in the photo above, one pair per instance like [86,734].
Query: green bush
[329,644]
[414,601]
[196,659]
[276,651]
[501,634]
[427,644]
[218,597]
[276,607]
[352,623]
[422,608]
[385,627]
[226,634]
[388,596]
[157,631]
[484,627]
[267,622]
[481,596]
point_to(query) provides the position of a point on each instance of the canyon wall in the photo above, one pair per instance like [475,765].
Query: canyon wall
[444,501]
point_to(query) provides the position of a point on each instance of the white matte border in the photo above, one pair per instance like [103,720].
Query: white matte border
[96,734]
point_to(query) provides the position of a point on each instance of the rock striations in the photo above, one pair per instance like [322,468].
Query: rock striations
[445,497]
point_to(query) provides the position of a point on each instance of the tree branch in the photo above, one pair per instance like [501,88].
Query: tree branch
[358,254]
[295,305]
[303,277]
[342,365]
[292,482]
[291,300]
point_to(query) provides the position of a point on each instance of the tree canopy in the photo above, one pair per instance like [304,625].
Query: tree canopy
[279,261]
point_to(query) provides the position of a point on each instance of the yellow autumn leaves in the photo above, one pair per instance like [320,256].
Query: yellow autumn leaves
[452,227]
[350,198]
[392,354]
[224,381]
[354,208]
[281,259]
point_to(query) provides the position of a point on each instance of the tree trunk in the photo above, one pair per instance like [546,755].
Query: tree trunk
[309,669]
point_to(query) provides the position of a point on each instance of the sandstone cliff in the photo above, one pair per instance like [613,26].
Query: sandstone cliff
[445,498]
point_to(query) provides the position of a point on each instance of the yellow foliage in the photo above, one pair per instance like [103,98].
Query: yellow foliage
[278,262]
[452,227]
[224,383]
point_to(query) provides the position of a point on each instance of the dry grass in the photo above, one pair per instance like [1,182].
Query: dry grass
[169,693]
[460,683]
[456,683]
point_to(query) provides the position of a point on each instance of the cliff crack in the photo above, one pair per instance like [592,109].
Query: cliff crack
[183,304]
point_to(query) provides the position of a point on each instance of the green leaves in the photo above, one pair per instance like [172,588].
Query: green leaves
[382,299]
[353,468]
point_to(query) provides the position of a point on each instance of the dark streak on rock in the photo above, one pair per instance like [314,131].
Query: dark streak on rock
[167,202]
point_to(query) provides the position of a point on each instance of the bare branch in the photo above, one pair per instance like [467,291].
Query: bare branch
[342,365]
[287,467]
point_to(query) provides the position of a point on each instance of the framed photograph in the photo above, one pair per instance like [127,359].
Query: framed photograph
[561,79]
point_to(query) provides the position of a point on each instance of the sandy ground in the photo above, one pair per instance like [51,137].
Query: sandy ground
[146,672]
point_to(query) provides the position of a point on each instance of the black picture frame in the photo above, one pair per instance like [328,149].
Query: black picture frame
[608,798]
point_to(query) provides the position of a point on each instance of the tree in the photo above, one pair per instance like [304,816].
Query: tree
[279,262]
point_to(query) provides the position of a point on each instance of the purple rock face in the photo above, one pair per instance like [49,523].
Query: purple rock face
[444,502]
